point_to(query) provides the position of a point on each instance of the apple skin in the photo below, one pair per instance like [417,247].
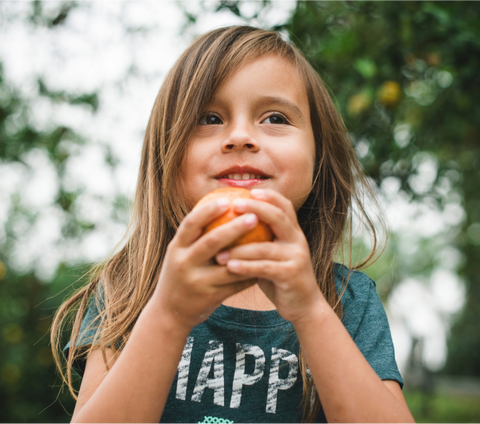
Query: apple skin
[261,232]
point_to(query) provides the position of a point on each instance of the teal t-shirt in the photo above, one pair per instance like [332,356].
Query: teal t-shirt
[242,365]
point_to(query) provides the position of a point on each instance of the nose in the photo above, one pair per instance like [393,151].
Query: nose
[239,138]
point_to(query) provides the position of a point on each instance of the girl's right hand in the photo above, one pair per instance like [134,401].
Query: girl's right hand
[191,284]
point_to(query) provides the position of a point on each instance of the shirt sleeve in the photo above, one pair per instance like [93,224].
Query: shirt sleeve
[86,336]
[367,323]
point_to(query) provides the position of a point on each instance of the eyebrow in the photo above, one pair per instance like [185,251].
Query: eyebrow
[272,100]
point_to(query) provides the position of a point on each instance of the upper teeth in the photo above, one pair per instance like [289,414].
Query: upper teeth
[243,176]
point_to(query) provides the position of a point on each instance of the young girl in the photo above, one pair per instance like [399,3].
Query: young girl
[181,329]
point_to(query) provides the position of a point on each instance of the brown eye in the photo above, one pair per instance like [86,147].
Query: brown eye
[210,119]
[276,119]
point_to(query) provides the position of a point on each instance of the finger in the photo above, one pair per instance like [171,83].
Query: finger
[269,270]
[265,269]
[280,223]
[193,224]
[207,246]
[276,199]
[218,276]
[223,282]
[256,251]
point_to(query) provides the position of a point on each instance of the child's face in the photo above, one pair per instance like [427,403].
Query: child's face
[259,118]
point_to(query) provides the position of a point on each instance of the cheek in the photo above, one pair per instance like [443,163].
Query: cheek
[302,162]
[181,188]
[192,173]
[300,170]
[307,166]
[310,159]
[183,182]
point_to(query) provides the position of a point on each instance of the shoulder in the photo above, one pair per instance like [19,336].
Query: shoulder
[353,286]
[359,298]
[89,329]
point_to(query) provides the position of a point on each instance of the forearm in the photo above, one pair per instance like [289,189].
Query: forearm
[137,386]
[348,387]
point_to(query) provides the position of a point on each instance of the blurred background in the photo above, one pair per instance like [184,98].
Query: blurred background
[77,84]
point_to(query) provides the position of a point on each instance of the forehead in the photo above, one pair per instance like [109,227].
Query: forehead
[271,77]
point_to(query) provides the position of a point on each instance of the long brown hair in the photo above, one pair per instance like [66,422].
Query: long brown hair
[127,278]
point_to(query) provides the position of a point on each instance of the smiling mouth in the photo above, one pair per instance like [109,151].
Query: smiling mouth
[244,177]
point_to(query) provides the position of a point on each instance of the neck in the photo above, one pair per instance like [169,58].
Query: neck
[252,298]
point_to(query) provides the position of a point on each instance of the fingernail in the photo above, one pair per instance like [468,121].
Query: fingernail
[222,257]
[233,264]
[223,202]
[250,219]
[257,192]
[240,204]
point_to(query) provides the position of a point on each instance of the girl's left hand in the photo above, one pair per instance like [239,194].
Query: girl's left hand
[283,266]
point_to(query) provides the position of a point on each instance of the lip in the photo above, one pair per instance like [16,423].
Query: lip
[241,183]
[241,170]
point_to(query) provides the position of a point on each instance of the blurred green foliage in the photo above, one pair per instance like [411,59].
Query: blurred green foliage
[437,408]
[405,77]
[29,388]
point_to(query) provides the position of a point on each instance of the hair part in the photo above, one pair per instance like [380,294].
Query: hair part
[128,278]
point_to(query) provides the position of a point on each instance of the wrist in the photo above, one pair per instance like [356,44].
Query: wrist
[168,319]
[316,314]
